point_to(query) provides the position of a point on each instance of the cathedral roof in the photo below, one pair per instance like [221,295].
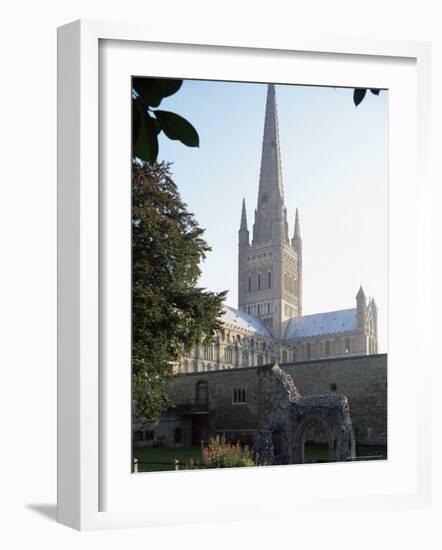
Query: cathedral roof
[319,324]
[241,320]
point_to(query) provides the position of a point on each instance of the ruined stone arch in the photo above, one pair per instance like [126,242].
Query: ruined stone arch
[287,416]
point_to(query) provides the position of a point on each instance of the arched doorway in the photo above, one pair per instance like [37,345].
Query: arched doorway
[313,441]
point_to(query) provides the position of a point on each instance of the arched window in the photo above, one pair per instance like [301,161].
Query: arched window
[208,352]
[228,355]
[269,279]
[309,350]
[202,393]
[239,396]
[327,347]
[259,281]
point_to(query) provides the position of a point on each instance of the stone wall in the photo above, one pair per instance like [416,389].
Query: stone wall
[362,379]
[174,430]
[225,414]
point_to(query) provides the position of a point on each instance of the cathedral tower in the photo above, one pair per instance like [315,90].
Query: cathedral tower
[270,267]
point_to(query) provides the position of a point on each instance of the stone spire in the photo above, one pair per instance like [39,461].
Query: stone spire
[270,179]
[270,281]
[270,217]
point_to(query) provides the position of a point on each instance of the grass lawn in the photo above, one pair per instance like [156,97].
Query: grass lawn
[372,450]
[315,451]
[319,451]
[162,458]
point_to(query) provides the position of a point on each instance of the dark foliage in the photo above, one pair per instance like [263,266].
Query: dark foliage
[170,312]
[359,94]
[148,122]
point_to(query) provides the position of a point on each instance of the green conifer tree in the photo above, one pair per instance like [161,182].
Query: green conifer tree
[170,312]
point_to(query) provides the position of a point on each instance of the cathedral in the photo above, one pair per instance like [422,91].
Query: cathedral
[268,325]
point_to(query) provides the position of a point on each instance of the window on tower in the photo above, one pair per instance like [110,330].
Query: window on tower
[250,284]
[269,279]
[259,281]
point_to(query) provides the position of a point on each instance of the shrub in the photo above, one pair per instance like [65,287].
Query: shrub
[220,454]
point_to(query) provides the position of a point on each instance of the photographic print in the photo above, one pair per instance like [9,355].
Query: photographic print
[259,274]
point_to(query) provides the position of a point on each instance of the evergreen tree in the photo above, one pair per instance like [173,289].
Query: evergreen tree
[170,312]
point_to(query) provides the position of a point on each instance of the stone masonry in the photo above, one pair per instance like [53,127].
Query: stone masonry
[207,403]
[285,418]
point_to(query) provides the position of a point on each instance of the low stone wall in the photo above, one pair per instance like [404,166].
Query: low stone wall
[363,380]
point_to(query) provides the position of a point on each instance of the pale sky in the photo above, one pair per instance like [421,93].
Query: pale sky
[335,171]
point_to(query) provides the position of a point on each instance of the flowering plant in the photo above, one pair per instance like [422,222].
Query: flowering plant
[221,454]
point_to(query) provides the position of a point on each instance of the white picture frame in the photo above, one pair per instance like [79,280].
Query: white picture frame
[81,464]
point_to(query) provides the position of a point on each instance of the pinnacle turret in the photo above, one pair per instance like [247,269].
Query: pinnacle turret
[243,215]
[361,308]
[243,233]
[360,295]
[297,230]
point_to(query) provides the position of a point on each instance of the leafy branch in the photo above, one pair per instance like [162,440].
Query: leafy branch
[148,121]
[359,94]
